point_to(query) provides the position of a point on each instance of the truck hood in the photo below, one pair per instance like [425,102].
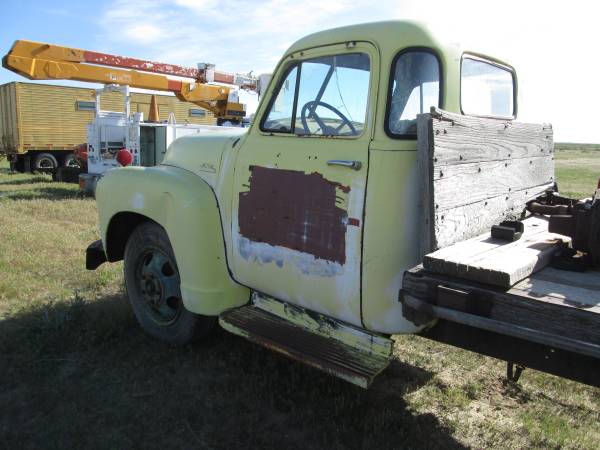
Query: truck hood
[202,153]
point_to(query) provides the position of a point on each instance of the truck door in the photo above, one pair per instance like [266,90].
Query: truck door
[160,145]
[300,180]
[147,146]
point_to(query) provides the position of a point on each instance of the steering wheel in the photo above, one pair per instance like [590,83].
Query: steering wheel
[312,106]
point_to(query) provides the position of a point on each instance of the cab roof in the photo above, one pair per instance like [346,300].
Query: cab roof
[382,34]
[388,37]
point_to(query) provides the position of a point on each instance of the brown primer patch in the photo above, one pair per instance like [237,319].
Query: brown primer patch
[296,210]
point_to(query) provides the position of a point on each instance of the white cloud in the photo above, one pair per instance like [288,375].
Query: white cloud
[144,33]
[199,6]
[235,35]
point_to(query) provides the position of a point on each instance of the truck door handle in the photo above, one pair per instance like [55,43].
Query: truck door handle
[356,165]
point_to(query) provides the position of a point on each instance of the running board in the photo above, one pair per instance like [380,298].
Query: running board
[339,349]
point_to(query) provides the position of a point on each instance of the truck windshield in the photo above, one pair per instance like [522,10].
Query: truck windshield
[486,89]
[414,89]
[324,96]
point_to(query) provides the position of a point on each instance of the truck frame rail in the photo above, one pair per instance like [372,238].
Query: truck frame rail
[549,321]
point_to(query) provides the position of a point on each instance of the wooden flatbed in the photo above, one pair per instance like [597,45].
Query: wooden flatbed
[495,297]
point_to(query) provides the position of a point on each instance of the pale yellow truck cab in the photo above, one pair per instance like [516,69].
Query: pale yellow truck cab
[315,205]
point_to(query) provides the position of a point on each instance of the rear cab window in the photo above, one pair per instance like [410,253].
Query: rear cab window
[324,96]
[486,88]
[415,86]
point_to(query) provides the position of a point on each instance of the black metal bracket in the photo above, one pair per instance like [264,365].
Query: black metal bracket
[578,219]
[513,371]
[95,255]
[509,230]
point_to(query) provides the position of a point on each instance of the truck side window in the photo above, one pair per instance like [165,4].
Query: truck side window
[486,89]
[414,89]
[332,97]
[279,118]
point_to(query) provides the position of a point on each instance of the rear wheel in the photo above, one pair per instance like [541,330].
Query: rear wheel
[45,162]
[153,287]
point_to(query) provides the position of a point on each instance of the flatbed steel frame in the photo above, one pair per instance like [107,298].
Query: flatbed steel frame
[560,338]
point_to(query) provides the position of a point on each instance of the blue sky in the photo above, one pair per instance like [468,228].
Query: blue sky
[553,44]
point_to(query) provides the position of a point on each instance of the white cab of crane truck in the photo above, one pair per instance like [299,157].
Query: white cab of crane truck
[112,131]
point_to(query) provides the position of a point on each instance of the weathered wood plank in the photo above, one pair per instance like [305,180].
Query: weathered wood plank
[464,222]
[492,261]
[558,293]
[463,184]
[477,172]
[463,139]
[427,238]
[480,245]
[589,279]
[574,289]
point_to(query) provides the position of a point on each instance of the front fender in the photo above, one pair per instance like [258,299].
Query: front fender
[186,207]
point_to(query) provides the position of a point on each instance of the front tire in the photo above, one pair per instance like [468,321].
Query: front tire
[153,287]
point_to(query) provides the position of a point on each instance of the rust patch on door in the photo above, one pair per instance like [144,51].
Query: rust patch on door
[295,210]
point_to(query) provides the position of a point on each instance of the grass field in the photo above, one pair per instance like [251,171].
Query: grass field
[578,171]
[76,371]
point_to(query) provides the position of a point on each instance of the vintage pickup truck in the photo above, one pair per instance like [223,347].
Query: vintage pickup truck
[374,145]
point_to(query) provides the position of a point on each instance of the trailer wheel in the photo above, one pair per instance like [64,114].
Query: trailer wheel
[153,287]
[69,160]
[45,162]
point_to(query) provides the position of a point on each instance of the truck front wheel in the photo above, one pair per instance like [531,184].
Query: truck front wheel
[153,287]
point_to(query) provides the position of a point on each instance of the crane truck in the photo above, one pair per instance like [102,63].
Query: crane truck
[112,131]
[385,187]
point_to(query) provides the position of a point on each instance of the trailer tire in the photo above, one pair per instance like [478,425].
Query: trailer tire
[153,287]
[45,162]
[69,160]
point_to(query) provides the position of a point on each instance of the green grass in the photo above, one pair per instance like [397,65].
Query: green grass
[76,370]
[577,172]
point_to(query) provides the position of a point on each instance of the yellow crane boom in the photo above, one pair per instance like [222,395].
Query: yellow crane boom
[40,61]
